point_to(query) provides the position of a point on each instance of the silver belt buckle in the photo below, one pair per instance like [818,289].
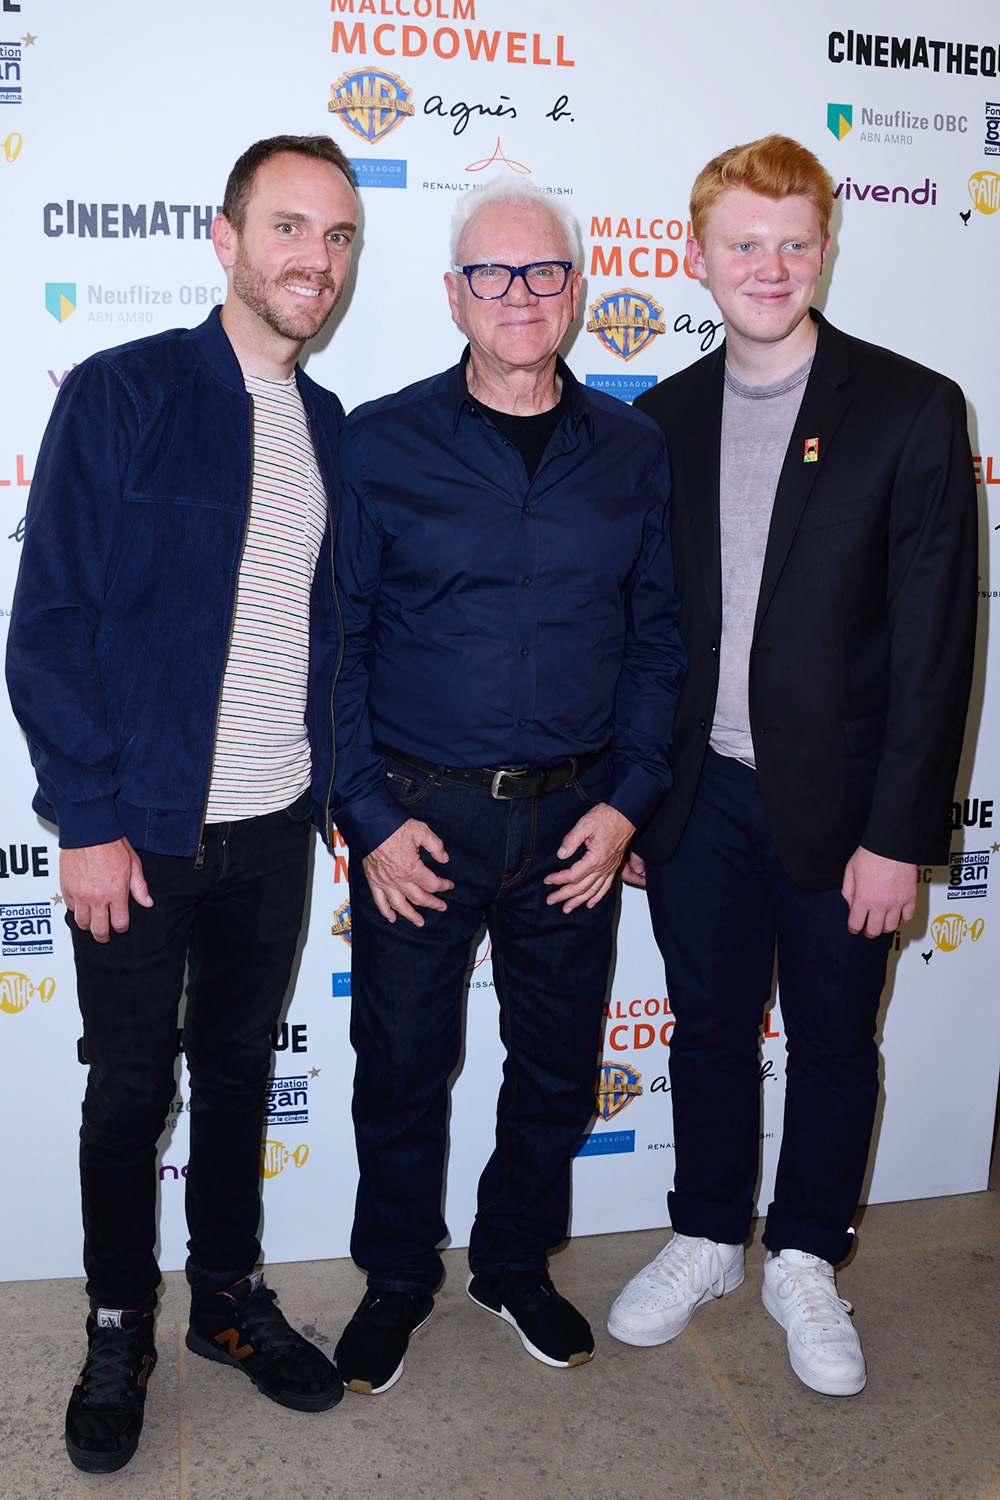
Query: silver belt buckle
[495,791]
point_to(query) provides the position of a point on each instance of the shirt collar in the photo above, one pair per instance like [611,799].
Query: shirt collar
[577,406]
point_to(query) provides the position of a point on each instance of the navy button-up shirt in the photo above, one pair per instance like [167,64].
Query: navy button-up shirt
[491,621]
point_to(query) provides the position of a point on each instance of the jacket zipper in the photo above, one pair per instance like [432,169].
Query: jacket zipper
[199,859]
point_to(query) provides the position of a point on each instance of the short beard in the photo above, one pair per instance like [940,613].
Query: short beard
[252,290]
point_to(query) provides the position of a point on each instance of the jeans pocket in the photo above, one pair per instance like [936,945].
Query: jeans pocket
[300,811]
[406,784]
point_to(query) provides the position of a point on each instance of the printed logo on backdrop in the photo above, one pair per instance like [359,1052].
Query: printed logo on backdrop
[10,71]
[891,127]
[342,922]
[970,870]
[625,321]
[275,1156]
[625,387]
[868,49]
[984,190]
[839,118]
[950,930]
[24,859]
[288,1101]
[659,260]
[25,928]
[371,103]
[142,303]
[991,143]
[445,42]
[120,221]
[880,192]
[12,146]
[617,1085]
[17,991]
[60,299]
[973,812]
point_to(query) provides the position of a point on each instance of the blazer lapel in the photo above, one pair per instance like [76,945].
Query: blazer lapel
[699,453]
[824,403]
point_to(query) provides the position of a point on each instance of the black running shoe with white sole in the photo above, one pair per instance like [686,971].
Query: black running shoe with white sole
[371,1349]
[548,1326]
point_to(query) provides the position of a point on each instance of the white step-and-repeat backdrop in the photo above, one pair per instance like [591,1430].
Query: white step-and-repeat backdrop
[118,125]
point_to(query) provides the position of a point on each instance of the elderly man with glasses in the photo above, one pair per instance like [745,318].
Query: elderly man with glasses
[507,696]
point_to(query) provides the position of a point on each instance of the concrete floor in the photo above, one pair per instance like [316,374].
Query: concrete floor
[716,1415]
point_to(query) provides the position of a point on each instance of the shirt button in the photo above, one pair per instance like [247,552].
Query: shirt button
[526,509]
[524,651]
[702,724]
[522,723]
[715,649]
[525,581]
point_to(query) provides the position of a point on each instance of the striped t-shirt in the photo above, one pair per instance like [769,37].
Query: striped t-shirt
[262,759]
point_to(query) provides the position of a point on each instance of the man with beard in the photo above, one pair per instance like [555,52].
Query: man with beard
[172,653]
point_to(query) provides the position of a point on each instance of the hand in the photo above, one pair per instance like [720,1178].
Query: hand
[604,832]
[398,878]
[634,871]
[881,893]
[96,884]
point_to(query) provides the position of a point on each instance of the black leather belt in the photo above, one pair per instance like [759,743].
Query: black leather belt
[532,781]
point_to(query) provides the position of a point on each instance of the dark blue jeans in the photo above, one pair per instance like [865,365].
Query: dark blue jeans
[235,923]
[720,907]
[551,972]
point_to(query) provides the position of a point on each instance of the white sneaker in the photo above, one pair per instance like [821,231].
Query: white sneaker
[800,1293]
[658,1303]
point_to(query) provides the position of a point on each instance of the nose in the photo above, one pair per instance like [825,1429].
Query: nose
[314,253]
[771,266]
[519,293]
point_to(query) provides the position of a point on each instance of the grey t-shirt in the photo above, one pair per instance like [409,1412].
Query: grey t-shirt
[757,422]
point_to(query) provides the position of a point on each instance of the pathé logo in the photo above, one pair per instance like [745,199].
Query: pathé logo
[16,990]
[275,1157]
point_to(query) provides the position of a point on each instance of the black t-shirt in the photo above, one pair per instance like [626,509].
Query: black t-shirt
[530,435]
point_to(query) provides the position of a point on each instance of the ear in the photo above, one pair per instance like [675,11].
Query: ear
[225,239]
[575,285]
[695,259]
[826,245]
[451,280]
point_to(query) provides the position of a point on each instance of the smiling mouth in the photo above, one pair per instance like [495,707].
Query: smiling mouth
[302,291]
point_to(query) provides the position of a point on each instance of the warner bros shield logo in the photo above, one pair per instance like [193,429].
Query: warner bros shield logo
[626,321]
[371,103]
[617,1085]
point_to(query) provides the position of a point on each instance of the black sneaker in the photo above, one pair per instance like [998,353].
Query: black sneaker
[371,1349]
[548,1326]
[241,1326]
[104,1417]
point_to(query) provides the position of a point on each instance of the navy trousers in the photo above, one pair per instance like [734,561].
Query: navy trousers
[721,908]
[235,925]
[551,971]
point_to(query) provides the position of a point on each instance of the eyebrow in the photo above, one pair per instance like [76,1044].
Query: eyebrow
[297,218]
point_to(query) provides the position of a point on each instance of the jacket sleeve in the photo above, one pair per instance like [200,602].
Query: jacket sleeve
[932,599]
[53,654]
[362,808]
[652,667]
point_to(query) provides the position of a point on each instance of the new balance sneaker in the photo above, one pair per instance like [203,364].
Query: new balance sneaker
[104,1416]
[660,1300]
[800,1293]
[548,1326]
[241,1326]
[371,1349]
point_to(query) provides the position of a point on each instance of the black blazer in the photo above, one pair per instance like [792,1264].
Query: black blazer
[862,653]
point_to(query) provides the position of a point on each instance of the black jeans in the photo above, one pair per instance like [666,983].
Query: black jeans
[550,969]
[235,923]
[720,907]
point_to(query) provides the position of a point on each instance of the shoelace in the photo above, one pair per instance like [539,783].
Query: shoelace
[110,1369]
[693,1263]
[816,1293]
[264,1324]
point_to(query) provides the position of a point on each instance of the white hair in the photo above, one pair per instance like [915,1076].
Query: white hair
[514,195]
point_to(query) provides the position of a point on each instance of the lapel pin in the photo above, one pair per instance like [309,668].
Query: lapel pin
[811,455]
